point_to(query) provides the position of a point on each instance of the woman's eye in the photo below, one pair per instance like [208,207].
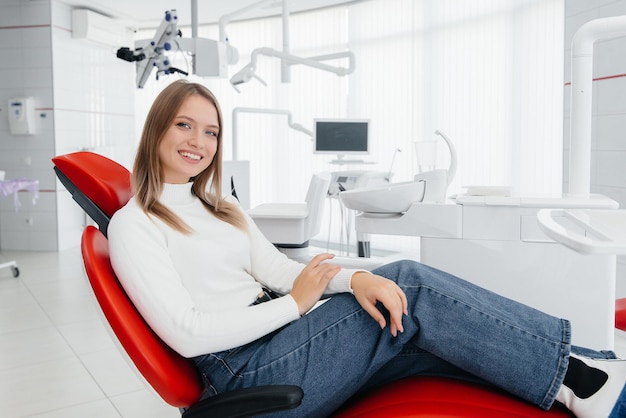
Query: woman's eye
[211,133]
[183,125]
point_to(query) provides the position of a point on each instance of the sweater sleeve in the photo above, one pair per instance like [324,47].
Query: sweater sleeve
[140,258]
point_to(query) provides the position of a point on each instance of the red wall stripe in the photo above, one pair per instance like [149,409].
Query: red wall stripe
[608,77]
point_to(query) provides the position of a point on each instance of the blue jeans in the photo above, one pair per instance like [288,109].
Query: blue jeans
[453,329]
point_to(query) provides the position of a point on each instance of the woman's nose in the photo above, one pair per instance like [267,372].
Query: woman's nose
[195,139]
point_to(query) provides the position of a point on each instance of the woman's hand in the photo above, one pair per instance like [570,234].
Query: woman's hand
[311,283]
[369,289]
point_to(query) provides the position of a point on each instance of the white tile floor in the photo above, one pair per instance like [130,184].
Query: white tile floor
[56,356]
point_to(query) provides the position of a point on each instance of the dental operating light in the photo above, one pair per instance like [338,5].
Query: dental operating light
[249,71]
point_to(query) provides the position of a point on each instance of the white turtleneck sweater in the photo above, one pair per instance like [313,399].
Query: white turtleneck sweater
[194,290]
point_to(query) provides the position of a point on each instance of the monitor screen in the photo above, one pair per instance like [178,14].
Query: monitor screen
[341,136]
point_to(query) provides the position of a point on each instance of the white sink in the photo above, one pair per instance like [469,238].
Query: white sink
[394,198]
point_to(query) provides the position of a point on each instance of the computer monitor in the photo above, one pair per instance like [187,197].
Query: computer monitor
[341,136]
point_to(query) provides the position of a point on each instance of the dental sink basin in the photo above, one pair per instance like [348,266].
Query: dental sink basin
[394,198]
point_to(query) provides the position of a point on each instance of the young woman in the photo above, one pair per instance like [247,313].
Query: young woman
[198,270]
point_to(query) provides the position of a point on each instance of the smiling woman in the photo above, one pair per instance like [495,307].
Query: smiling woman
[188,144]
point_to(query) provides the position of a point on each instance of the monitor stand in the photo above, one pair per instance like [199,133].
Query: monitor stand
[343,161]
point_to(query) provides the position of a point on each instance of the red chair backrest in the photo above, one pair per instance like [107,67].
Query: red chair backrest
[174,377]
[106,184]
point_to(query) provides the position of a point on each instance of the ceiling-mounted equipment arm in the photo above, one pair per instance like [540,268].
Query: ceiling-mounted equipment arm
[237,110]
[249,71]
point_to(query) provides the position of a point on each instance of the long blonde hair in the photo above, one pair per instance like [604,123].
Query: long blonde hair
[147,171]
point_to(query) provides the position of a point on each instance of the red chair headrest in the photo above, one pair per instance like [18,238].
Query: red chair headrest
[103,181]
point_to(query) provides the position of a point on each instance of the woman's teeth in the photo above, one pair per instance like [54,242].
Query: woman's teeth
[190,155]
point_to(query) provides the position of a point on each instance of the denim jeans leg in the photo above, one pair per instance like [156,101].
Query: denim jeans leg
[456,327]
[506,343]
[330,353]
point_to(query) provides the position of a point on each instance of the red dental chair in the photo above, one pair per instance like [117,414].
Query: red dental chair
[620,314]
[101,186]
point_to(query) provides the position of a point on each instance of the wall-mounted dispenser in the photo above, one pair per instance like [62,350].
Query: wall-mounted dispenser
[22,115]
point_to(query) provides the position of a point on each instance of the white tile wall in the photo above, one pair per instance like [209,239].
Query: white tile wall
[84,99]
[25,37]
[608,175]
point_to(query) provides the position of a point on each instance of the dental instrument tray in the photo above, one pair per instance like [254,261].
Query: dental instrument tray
[588,231]
[390,199]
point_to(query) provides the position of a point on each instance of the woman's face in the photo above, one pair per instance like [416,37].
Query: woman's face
[190,142]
